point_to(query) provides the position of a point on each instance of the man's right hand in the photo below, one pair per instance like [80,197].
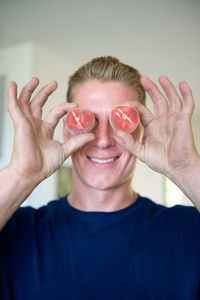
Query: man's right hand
[36,155]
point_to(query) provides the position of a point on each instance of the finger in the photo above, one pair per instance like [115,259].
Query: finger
[158,99]
[130,144]
[12,105]
[175,102]
[188,102]
[41,97]
[26,94]
[146,115]
[58,112]
[76,142]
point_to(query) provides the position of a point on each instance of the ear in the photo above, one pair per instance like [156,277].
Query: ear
[66,133]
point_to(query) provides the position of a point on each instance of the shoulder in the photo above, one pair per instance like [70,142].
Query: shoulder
[177,225]
[178,216]
[176,210]
[27,218]
[50,209]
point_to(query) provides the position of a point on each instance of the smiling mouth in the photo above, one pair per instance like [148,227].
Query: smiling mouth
[102,161]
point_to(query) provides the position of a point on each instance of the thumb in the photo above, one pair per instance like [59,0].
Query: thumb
[130,144]
[76,142]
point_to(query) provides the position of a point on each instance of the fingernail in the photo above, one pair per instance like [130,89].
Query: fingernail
[120,132]
[53,82]
[143,78]
[72,104]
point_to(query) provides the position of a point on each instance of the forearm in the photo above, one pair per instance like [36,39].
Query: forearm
[13,192]
[189,182]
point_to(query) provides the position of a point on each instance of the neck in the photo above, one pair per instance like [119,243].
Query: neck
[91,199]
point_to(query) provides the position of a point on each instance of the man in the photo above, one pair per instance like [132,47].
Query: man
[103,241]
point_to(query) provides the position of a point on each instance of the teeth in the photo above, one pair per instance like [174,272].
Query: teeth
[102,161]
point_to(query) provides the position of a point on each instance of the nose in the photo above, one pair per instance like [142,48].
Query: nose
[104,134]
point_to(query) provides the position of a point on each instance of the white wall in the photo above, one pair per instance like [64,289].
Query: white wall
[148,183]
[16,65]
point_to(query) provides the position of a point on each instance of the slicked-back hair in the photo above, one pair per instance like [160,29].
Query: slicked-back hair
[107,68]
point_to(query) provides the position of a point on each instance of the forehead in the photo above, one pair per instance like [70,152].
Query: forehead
[102,95]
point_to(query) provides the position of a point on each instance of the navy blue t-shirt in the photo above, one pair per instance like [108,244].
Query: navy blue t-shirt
[144,251]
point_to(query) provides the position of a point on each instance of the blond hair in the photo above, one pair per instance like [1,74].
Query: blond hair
[107,68]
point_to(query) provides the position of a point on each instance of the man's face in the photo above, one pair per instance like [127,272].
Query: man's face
[103,163]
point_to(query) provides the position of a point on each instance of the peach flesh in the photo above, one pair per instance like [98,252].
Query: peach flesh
[79,121]
[124,118]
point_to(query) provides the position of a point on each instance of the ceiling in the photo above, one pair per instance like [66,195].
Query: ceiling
[156,36]
[83,28]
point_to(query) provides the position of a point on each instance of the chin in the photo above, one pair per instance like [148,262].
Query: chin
[98,184]
[106,183]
